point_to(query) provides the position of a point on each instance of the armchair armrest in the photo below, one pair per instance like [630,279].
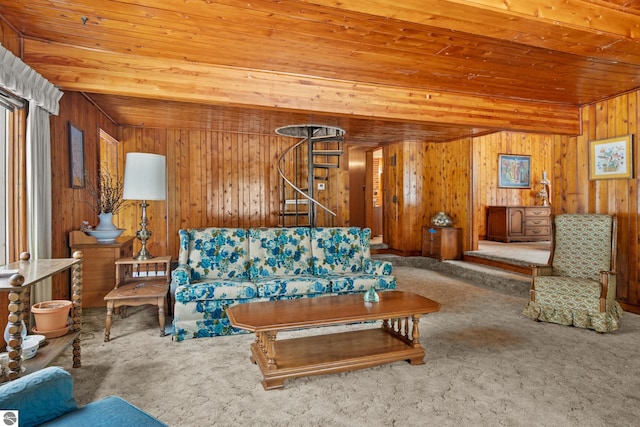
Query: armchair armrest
[181,275]
[607,285]
[541,270]
[40,396]
[376,266]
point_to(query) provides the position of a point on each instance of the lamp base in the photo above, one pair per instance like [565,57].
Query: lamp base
[143,255]
[143,235]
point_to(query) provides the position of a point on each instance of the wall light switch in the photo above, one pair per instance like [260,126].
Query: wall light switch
[321,186]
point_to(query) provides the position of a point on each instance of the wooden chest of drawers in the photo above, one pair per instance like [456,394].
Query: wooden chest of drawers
[518,223]
[442,242]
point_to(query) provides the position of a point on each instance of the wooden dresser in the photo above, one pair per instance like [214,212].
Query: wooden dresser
[518,223]
[99,267]
[442,242]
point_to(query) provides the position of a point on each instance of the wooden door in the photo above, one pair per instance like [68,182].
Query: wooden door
[357,180]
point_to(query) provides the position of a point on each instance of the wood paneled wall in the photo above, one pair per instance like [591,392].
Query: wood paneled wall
[229,179]
[461,179]
[69,206]
[10,39]
[486,192]
[217,179]
[576,193]
[566,159]
[448,183]
[421,179]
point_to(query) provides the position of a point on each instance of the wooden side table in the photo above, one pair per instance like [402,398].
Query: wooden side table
[442,243]
[99,272]
[139,282]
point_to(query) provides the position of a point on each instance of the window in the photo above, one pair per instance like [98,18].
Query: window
[10,107]
[4,179]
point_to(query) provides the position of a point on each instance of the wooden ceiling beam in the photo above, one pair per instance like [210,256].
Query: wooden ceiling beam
[86,70]
[591,28]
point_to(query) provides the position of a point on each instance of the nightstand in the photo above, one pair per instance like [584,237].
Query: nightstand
[139,282]
[442,243]
[99,272]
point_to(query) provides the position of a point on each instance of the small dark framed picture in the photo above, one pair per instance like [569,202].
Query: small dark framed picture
[514,171]
[76,156]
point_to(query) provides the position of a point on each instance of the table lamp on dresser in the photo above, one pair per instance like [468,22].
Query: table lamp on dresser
[144,179]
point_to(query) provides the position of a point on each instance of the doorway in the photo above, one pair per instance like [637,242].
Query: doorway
[366,192]
[377,230]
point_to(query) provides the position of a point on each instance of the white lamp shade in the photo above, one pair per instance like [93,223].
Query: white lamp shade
[145,177]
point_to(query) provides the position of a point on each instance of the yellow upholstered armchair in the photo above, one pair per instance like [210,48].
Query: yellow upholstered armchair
[578,286]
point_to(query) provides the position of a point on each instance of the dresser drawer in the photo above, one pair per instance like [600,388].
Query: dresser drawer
[537,231]
[537,222]
[537,212]
[518,223]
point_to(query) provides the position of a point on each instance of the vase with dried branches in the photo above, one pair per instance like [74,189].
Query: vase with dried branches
[105,197]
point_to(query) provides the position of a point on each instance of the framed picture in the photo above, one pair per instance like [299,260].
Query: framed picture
[514,171]
[76,156]
[611,158]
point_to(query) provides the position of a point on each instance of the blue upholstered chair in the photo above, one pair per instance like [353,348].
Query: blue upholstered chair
[45,397]
[578,286]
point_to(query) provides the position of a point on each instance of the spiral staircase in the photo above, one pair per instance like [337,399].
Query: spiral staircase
[304,168]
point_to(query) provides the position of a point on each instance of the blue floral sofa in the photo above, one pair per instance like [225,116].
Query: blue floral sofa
[221,267]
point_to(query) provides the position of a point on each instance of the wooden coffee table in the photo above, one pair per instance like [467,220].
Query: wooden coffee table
[397,339]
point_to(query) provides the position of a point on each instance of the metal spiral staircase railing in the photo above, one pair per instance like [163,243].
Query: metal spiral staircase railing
[301,166]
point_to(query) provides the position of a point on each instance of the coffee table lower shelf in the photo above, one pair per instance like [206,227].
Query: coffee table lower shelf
[332,353]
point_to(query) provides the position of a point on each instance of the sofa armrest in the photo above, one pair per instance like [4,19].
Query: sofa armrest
[40,396]
[181,275]
[376,266]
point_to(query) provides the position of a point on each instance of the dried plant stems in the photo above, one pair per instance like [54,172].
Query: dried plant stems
[105,193]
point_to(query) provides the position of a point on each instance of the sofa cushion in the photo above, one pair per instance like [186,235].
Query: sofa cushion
[336,250]
[214,252]
[207,318]
[106,412]
[279,252]
[40,396]
[359,282]
[270,287]
[568,294]
[213,289]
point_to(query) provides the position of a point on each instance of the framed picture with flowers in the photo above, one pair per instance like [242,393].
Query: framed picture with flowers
[611,158]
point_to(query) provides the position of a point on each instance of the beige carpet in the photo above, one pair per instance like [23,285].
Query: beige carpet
[518,253]
[486,365]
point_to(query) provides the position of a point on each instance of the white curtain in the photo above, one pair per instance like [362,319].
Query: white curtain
[39,193]
[21,80]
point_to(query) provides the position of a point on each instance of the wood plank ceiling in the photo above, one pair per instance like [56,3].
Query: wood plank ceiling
[383,70]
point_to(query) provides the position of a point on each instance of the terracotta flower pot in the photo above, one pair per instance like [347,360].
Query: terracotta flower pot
[51,315]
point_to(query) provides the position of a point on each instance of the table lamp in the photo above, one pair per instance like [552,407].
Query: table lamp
[144,179]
